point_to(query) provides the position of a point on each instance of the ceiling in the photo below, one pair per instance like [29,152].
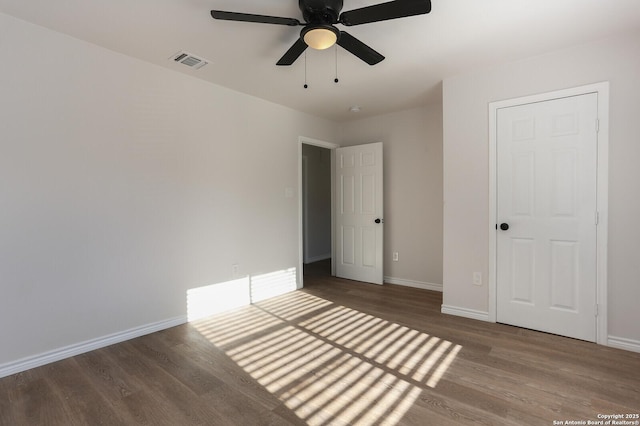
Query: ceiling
[458,35]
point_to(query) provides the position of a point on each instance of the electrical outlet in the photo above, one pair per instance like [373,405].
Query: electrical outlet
[477,278]
[235,270]
[395,256]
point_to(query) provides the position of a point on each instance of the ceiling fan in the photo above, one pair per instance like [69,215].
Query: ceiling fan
[320,18]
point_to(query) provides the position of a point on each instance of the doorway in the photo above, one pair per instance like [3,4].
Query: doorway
[356,210]
[315,210]
[548,212]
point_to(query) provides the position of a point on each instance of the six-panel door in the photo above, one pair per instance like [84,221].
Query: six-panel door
[546,194]
[359,220]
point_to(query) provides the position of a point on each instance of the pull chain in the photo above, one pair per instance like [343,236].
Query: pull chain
[305,70]
[335,80]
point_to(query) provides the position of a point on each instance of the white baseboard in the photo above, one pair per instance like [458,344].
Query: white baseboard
[318,258]
[464,312]
[623,343]
[87,346]
[416,284]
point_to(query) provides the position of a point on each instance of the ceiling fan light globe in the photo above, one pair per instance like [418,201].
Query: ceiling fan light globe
[320,38]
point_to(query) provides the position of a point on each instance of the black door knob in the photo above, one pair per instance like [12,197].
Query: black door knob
[378,220]
[504,226]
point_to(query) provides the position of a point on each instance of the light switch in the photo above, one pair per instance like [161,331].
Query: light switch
[288,192]
[477,278]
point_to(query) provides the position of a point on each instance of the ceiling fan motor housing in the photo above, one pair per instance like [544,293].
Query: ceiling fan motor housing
[321,11]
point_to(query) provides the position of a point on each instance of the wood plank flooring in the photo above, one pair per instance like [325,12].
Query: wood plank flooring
[339,352]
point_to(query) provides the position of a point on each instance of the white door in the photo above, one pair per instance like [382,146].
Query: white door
[546,195]
[359,221]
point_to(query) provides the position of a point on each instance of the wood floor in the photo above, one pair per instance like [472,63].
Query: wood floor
[338,352]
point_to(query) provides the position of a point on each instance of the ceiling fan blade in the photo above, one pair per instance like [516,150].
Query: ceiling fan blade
[293,53]
[384,11]
[248,17]
[358,48]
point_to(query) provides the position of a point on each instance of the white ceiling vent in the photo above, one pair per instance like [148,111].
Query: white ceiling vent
[190,60]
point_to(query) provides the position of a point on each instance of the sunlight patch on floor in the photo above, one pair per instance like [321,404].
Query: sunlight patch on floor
[330,364]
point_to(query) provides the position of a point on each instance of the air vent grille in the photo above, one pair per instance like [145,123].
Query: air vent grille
[190,60]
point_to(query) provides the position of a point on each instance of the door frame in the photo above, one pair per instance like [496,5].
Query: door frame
[602,193]
[303,140]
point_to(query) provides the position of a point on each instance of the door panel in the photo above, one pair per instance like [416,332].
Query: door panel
[564,275]
[546,178]
[522,275]
[347,254]
[359,251]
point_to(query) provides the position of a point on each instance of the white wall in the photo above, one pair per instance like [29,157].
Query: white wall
[317,214]
[465,102]
[412,141]
[123,185]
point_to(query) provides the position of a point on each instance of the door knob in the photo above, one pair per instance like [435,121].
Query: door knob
[504,226]
[378,220]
